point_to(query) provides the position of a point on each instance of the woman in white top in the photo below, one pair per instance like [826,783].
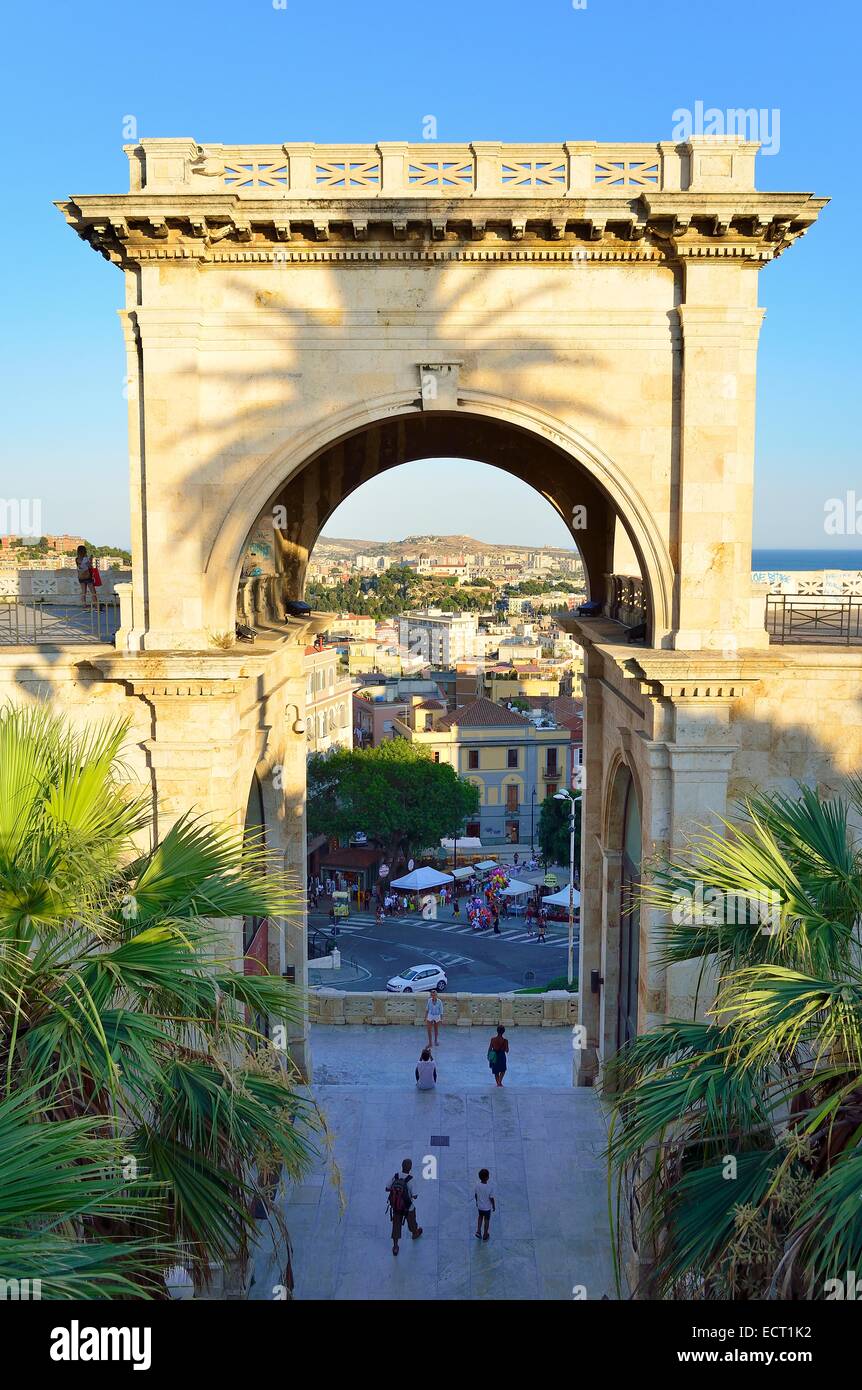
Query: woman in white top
[426,1072]
[433,1017]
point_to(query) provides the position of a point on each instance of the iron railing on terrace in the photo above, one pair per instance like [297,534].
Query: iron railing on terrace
[34,622]
[834,620]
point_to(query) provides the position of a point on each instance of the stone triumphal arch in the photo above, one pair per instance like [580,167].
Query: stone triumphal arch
[300,317]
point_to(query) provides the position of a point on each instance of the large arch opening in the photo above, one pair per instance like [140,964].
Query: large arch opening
[298,490]
[302,483]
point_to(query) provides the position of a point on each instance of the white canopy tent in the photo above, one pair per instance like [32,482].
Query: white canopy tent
[486,864]
[561,899]
[515,888]
[422,879]
[460,874]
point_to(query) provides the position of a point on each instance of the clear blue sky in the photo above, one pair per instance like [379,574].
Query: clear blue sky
[487,69]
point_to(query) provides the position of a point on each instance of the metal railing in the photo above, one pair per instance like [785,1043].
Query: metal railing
[835,620]
[34,622]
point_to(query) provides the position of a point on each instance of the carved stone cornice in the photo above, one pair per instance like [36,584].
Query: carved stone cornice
[208,228]
[699,677]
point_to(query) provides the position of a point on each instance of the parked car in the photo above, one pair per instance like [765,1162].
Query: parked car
[416,979]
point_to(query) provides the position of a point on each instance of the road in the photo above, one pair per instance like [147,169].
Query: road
[478,962]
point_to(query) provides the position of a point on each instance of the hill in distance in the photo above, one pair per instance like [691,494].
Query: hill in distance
[428,545]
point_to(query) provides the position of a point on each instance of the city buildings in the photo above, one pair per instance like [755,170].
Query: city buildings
[328,695]
[378,704]
[438,637]
[514,761]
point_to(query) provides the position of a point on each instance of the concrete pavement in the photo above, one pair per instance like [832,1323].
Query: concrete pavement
[542,1139]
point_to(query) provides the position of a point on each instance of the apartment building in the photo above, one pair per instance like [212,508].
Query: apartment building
[328,697]
[514,761]
[439,638]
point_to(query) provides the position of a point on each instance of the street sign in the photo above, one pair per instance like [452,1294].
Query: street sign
[551,881]
[383,870]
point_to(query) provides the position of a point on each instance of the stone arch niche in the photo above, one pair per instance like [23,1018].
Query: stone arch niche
[615,929]
[579,482]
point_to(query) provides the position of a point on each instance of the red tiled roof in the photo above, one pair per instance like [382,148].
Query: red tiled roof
[432,704]
[481,713]
[562,707]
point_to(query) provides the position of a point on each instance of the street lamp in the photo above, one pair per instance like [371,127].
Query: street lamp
[567,796]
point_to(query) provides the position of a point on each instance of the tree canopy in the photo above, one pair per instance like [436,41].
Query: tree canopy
[553,831]
[396,794]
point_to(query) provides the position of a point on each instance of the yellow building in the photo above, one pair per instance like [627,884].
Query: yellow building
[514,763]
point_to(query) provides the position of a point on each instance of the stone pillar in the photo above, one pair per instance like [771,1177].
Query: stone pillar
[720,323]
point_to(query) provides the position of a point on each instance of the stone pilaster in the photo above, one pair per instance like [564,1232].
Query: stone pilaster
[720,323]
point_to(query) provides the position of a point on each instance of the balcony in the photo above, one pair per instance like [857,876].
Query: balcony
[27,621]
[828,619]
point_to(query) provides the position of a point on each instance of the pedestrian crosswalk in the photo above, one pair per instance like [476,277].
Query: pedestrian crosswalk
[361,921]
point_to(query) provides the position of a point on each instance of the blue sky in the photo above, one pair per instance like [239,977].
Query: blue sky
[246,72]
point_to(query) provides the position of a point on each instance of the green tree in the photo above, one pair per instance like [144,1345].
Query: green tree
[553,831]
[771,1079]
[142,1116]
[403,801]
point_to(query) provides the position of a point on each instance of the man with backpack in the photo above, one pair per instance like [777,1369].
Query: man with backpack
[400,1204]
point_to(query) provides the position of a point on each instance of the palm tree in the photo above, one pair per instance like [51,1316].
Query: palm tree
[738,1134]
[127,1057]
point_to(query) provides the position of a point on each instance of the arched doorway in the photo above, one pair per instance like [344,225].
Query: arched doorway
[629,946]
[255,930]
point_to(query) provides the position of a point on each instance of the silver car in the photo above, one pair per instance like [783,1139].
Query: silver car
[416,979]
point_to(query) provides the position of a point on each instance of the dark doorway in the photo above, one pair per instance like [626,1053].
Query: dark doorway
[627,1013]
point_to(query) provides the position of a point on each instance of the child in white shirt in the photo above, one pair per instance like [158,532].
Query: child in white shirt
[485,1204]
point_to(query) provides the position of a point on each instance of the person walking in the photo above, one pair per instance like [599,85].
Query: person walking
[84,566]
[433,1017]
[486,1202]
[401,1204]
[426,1071]
[497,1053]
[496,922]
[543,925]
[530,914]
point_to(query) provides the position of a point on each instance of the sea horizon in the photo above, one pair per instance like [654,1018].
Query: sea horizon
[763,558]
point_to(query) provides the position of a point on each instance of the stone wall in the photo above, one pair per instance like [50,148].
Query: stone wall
[555,1009]
[56,586]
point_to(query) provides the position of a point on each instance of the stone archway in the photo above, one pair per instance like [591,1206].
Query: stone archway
[299,316]
[308,479]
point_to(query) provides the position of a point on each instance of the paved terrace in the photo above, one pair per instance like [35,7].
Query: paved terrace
[542,1139]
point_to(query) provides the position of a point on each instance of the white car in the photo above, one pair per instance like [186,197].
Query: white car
[417,978]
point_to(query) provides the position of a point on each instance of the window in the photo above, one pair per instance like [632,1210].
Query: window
[473,757]
[472,830]
[512,832]
[552,788]
[436,757]
[511,798]
[511,757]
[429,722]
[551,765]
